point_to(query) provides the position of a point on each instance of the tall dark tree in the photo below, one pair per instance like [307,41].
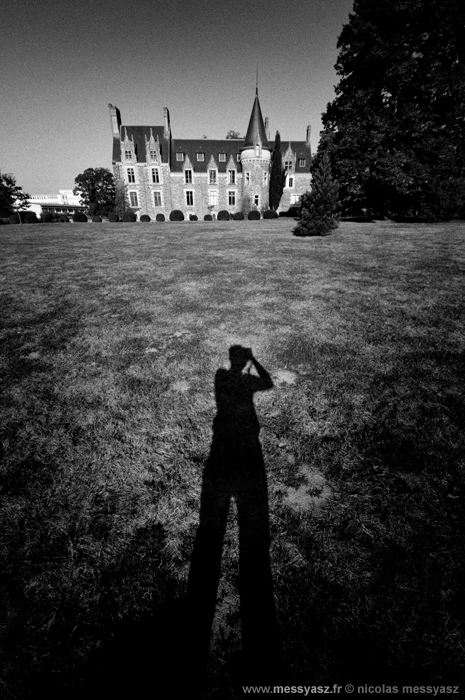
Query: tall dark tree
[12,197]
[319,207]
[277,176]
[396,130]
[96,187]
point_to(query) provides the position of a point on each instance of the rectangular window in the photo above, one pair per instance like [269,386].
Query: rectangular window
[287,165]
[155,176]
[153,155]
[232,177]
[188,177]
[131,175]
[212,177]
[222,157]
[180,156]
[201,157]
[291,182]
[157,199]
[133,199]
[189,198]
[302,162]
[213,198]
[128,155]
[256,200]
[265,178]
[232,198]
[247,178]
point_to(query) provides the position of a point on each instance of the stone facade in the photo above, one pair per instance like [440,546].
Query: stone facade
[201,176]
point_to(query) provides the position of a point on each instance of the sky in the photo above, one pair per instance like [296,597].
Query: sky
[63,61]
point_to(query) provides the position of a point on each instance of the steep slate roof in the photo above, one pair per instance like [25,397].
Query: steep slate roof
[256,126]
[139,134]
[301,150]
[211,147]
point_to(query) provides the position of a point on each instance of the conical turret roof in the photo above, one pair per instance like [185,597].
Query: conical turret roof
[256,126]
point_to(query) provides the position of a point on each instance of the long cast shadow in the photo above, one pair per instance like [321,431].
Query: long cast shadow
[235,469]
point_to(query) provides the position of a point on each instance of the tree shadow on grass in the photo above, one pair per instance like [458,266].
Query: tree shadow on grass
[235,469]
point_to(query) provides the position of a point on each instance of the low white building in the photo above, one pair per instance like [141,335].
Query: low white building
[65,202]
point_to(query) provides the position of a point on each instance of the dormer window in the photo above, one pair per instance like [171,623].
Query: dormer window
[153,155]
[128,155]
[238,157]
[222,157]
[287,166]
[302,162]
[180,156]
[200,157]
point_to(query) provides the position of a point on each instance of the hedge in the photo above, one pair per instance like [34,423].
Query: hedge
[270,214]
[254,215]
[97,219]
[193,217]
[238,216]
[79,217]
[129,217]
[63,218]
[176,215]
[113,217]
[145,217]
[208,217]
[160,217]
[31,218]
[223,215]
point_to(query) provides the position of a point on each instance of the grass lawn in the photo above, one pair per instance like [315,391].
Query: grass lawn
[111,337]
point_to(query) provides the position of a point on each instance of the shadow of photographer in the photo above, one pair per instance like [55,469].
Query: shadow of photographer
[235,469]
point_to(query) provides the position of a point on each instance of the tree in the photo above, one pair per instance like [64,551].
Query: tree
[233,134]
[396,129]
[318,215]
[277,176]
[12,197]
[96,186]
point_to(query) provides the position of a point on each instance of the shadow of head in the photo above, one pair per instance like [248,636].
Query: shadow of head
[239,356]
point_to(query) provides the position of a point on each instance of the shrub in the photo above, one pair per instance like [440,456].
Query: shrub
[79,216]
[193,217]
[254,215]
[160,217]
[47,217]
[270,214]
[176,215]
[97,219]
[223,215]
[145,218]
[208,217]
[238,216]
[63,218]
[13,219]
[129,217]
[113,217]
[31,218]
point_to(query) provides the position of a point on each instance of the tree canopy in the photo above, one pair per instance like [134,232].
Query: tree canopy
[12,197]
[277,176]
[233,134]
[96,187]
[396,129]
[319,207]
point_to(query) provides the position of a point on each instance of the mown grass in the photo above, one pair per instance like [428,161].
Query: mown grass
[111,337]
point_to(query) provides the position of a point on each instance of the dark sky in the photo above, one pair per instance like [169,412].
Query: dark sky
[63,61]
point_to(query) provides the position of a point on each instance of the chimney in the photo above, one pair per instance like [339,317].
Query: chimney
[307,140]
[115,118]
[167,127]
[267,128]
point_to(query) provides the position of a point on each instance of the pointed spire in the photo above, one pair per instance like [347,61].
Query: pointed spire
[256,126]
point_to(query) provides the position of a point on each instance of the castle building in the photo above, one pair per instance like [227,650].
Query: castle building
[203,176]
